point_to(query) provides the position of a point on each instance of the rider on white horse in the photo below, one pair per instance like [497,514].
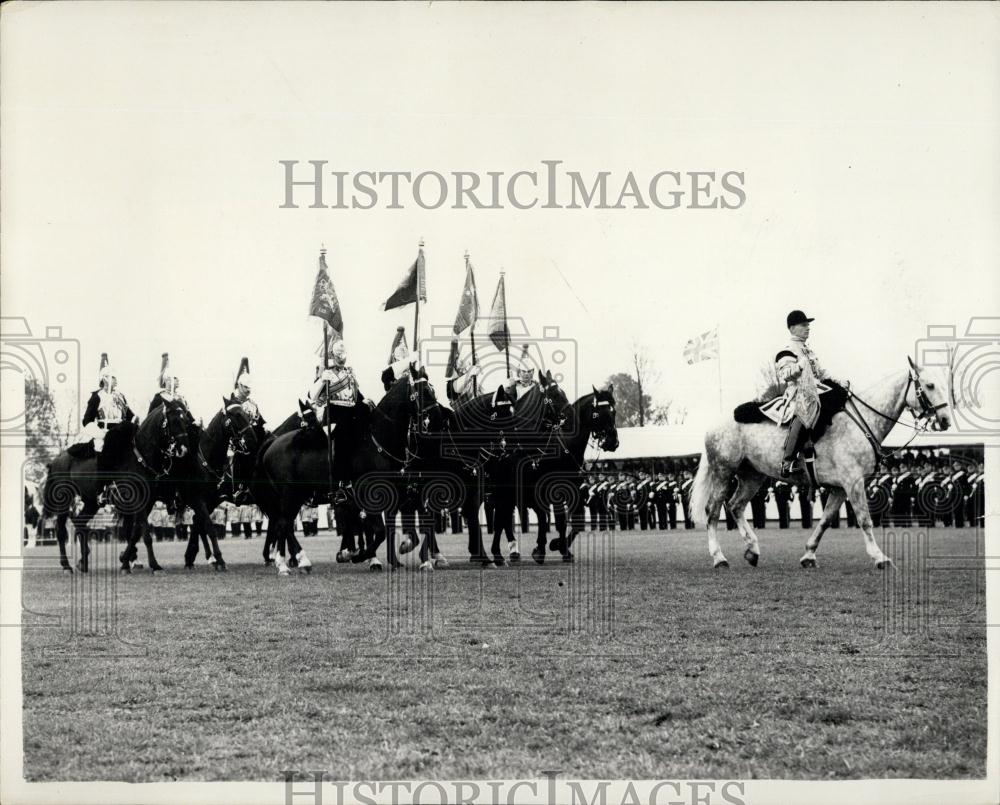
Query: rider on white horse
[798,367]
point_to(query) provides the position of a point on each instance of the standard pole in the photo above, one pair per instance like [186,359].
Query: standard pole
[472,339]
[326,408]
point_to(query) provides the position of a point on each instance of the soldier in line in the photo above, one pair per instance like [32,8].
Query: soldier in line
[663,492]
[958,492]
[156,519]
[258,518]
[975,502]
[903,489]
[169,521]
[879,493]
[758,506]
[782,491]
[309,514]
[807,498]
[641,492]
[924,498]
[685,492]
[218,518]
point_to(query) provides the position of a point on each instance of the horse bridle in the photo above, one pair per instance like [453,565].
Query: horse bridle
[928,410]
[600,436]
[237,440]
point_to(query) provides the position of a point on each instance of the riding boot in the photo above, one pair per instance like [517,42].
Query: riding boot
[797,435]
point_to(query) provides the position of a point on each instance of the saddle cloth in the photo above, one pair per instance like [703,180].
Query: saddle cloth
[832,399]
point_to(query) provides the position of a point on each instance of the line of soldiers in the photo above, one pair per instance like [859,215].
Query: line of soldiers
[642,500]
[925,489]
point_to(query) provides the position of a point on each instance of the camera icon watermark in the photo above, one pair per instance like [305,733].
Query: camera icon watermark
[550,352]
[971,362]
[50,362]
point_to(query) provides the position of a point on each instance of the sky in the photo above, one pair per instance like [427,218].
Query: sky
[142,185]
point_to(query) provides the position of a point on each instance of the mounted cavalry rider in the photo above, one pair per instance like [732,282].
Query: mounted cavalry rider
[339,382]
[169,385]
[797,366]
[107,410]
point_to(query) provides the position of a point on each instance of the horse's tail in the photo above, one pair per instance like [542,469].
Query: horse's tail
[702,490]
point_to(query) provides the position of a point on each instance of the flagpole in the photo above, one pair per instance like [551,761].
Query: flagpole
[416,308]
[326,408]
[506,346]
[472,334]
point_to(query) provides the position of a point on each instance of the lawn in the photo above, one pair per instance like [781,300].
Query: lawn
[638,661]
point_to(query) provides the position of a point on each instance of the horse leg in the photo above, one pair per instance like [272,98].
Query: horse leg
[833,503]
[82,535]
[147,540]
[374,528]
[859,500]
[61,535]
[750,482]
[471,511]
[191,551]
[713,508]
[294,548]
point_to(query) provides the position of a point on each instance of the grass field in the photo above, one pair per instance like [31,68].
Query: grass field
[639,661]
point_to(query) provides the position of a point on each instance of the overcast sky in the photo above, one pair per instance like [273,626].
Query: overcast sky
[142,184]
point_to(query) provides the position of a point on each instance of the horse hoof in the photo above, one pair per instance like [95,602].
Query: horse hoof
[67,569]
[426,567]
[882,565]
[568,557]
[156,569]
[808,563]
[515,557]
[188,567]
[556,544]
[220,567]
[125,569]
[722,563]
[498,560]
[344,556]
[751,557]
[538,555]
[284,571]
[440,562]
[406,545]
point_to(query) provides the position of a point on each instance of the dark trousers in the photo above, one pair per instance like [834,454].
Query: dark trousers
[488,511]
[757,511]
[260,526]
[456,522]
[784,515]
[806,510]
[235,528]
[644,518]
[247,531]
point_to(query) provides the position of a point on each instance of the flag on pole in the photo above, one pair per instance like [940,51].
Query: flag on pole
[498,332]
[703,348]
[413,286]
[468,307]
[324,299]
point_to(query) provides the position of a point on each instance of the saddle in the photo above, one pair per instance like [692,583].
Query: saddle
[832,399]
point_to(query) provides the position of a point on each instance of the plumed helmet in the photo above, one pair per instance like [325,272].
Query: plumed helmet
[243,374]
[105,372]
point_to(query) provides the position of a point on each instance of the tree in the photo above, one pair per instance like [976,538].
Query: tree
[44,438]
[768,384]
[627,406]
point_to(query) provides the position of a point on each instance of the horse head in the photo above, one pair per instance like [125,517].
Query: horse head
[425,412]
[240,429]
[171,421]
[554,400]
[602,419]
[927,396]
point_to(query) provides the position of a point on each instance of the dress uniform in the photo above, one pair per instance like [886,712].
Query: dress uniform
[157,518]
[798,367]
[686,498]
[782,491]
[958,492]
[642,493]
[459,378]
[665,496]
[976,501]
[924,497]
[218,518]
[903,488]
[879,494]
[107,410]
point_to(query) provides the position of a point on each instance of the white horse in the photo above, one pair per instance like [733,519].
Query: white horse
[848,451]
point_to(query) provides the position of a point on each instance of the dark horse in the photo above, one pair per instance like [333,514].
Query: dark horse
[202,476]
[556,477]
[132,462]
[530,434]
[373,447]
[478,436]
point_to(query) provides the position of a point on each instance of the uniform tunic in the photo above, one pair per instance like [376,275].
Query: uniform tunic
[802,376]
